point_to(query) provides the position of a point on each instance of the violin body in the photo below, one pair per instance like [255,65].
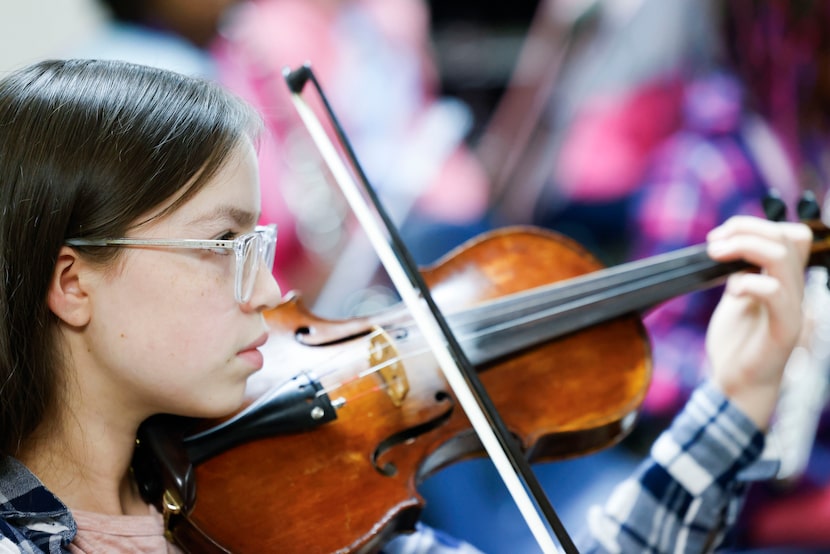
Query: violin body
[351,484]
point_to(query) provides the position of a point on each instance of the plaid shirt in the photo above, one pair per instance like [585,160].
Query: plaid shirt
[32,519]
[682,498]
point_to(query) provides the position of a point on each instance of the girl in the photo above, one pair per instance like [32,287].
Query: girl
[135,281]
[98,337]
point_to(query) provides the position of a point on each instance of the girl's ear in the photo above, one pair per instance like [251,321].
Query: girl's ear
[67,296]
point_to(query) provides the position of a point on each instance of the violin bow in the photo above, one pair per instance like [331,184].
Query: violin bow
[499,444]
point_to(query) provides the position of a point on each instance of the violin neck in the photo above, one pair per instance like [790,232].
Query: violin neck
[511,323]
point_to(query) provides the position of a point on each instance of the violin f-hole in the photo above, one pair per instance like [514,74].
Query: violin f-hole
[389,469]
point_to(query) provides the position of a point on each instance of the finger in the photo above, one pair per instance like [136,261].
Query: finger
[783,305]
[760,287]
[781,292]
[792,235]
[779,258]
[744,224]
[760,242]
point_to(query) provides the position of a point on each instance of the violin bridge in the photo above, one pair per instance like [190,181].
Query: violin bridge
[384,358]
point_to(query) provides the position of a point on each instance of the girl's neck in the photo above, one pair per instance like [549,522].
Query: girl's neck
[86,463]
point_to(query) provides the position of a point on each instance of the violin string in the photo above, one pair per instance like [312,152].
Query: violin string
[366,393]
[331,388]
[341,362]
[373,350]
[343,358]
[541,302]
[499,308]
[353,378]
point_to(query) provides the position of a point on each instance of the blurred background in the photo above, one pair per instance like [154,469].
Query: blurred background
[42,28]
[631,126]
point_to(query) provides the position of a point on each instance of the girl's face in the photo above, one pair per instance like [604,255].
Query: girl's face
[165,332]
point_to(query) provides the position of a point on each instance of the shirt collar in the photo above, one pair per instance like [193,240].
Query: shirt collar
[24,499]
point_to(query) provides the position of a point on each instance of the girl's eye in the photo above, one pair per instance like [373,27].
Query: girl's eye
[227,235]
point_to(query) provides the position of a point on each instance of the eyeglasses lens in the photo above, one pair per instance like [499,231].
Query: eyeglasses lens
[257,248]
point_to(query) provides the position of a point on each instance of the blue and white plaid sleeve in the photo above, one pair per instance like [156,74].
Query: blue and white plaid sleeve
[686,495]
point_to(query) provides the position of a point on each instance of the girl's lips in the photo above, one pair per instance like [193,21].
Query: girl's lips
[251,354]
[253,357]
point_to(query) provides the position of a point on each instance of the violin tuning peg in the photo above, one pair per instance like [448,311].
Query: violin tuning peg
[774,208]
[808,208]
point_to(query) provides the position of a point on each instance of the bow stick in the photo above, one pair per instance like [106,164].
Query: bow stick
[500,446]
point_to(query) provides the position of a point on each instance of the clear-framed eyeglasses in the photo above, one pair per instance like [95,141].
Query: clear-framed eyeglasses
[252,250]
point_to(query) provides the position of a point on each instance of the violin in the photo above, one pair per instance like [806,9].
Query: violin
[556,339]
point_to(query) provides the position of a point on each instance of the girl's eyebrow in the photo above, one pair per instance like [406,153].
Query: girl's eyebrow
[242,218]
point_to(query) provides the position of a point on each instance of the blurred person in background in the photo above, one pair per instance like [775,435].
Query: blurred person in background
[173,34]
